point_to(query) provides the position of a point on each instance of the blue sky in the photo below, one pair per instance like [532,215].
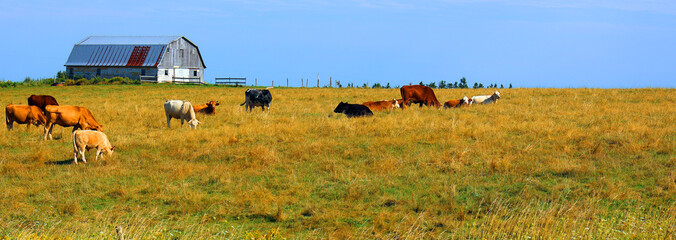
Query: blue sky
[528,43]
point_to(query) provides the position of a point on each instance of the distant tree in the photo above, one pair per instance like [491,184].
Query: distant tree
[365,85]
[421,83]
[455,85]
[432,85]
[338,84]
[463,83]
[501,86]
[442,84]
[388,85]
[377,85]
[481,85]
[475,85]
[510,85]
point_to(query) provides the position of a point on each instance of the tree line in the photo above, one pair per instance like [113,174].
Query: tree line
[441,84]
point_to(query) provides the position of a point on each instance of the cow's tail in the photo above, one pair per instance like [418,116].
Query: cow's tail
[243,103]
[7,118]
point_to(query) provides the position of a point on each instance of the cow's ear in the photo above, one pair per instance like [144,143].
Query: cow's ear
[217,103]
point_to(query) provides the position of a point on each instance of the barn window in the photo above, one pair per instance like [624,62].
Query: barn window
[181,53]
[98,72]
[143,72]
[166,72]
[194,73]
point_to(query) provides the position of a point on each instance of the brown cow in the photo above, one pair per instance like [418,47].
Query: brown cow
[208,108]
[41,101]
[24,114]
[382,105]
[418,93]
[465,101]
[69,116]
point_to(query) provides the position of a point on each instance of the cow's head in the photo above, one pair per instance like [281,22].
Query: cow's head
[193,123]
[465,101]
[340,108]
[497,94]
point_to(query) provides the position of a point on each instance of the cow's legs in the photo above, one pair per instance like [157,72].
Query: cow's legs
[181,121]
[10,124]
[82,154]
[263,107]
[168,121]
[75,153]
[98,152]
[48,130]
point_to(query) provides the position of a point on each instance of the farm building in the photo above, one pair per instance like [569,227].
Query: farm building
[154,59]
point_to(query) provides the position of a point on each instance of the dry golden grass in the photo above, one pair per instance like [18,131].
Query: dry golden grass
[541,163]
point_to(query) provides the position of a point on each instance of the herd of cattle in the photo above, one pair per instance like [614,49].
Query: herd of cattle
[409,95]
[88,133]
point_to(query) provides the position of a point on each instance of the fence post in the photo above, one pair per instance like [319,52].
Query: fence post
[256,82]
[287,82]
[330,81]
[273,83]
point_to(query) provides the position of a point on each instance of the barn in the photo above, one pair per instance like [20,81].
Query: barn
[152,59]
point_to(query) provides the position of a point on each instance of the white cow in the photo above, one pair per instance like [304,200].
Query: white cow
[84,140]
[180,109]
[486,99]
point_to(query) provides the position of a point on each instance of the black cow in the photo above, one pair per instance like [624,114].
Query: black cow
[257,97]
[353,110]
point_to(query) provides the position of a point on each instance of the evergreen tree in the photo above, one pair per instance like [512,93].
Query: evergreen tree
[455,85]
[421,83]
[501,86]
[481,85]
[432,85]
[510,85]
[463,83]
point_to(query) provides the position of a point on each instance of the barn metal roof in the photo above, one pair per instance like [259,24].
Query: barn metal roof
[128,40]
[114,51]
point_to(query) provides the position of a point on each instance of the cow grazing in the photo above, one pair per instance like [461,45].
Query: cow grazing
[84,140]
[41,101]
[382,105]
[418,93]
[453,103]
[180,109]
[353,110]
[257,97]
[208,108]
[69,116]
[486,99]
[24,114]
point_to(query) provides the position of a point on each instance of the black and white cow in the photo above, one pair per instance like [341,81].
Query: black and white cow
[353,110]
[257,97]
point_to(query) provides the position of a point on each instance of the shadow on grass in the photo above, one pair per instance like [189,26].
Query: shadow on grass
[62,162]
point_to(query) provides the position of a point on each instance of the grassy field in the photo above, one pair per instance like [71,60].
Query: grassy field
[541,163]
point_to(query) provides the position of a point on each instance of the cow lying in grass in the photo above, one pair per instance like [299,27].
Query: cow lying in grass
[180,109]
[208,108]
[382,105]
[453,103]
[353,110]
[24,114]
[486,99]
[84,140]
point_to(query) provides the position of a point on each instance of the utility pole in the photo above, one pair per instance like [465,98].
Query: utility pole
[317,79]
[256,82]
[330,81]
[287,82]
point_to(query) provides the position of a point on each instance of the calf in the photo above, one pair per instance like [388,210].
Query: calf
[465,101]
[180,109]
[382,105]
[208,108]
[353,110]
[84,140]
[257,97]
[24,114]
[486,99]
